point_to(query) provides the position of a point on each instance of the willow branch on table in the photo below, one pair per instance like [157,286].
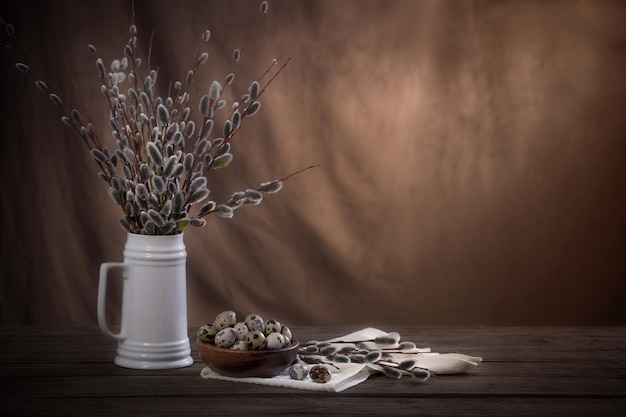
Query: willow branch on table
[332,353]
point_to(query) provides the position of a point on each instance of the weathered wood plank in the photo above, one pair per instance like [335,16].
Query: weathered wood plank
[527,371]
[184,384]
[317,405]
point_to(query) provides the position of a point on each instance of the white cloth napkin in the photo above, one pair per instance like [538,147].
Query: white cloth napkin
[350,375]
[347,375]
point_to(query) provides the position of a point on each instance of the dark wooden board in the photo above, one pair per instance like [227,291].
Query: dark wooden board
[527,371]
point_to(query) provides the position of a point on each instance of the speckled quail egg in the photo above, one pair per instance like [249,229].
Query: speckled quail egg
[225,319]
[287,341]
[255,339]
[298,371]
[272,326]
[320,374]
[207,333]
[274,341]
[286,331]
[241,329]
[225,337]
[240,345]
[255,322]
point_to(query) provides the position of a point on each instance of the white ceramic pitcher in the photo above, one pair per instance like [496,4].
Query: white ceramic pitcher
[153,331]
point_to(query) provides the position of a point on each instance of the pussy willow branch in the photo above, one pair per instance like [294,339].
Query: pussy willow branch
[234,200]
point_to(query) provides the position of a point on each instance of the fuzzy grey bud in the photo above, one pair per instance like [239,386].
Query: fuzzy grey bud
[254,90]
[129,156]
[215,90]
[236,120]
[202,58]
[210,206]
[158,220]
[188,161]
[141,191]
[208,127]
[198,196]
[392,372]
[170,166]
[155,154]
[198,183]
[56,99]
[420,375]
[190,129]
[271,187]
[253,197]
[98,155]
[222,161]
[189,77]
[101,68]
[225,212]
[162,113]
[22,67]
[253,108]
[204,105]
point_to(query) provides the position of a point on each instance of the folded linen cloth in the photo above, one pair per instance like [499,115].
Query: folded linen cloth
[349,375]
[346,375]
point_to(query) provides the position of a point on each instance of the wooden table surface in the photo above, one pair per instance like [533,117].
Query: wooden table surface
[527,371]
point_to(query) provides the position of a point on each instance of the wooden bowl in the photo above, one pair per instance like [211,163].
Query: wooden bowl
[247,363]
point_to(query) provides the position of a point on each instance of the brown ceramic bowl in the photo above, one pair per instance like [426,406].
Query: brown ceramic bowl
[247,363]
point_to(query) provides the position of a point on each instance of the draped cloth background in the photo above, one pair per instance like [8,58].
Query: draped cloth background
[472,161]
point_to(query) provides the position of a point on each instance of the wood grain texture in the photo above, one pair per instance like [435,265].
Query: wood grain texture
[527,371]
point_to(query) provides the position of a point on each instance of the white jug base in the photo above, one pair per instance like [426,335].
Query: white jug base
[169,355]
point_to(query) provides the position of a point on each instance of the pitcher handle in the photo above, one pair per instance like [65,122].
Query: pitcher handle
[102,290]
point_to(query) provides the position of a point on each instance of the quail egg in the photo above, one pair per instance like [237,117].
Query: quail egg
[285,331]
[320,374]
[272,326]
[255,322]
[225,319]
[207,333]
[240,345]
[225,337]
[241,329]
[274,341]
[298,371]
[255,339]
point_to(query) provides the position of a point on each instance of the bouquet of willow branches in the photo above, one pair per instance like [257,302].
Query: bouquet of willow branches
[159,167]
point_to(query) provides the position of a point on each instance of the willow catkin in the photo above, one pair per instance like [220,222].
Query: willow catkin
[202,58]
[210,206]
[206,130]
[254,90]
[170,165]
[215,91]
[420,375]
[155,154]
[271,187]
[222,161]
[253,108]
[198,183]
[163,114]
[392,372]
[225,212]
[198,195]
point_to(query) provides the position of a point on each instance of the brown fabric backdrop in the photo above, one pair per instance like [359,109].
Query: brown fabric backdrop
[472,162]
